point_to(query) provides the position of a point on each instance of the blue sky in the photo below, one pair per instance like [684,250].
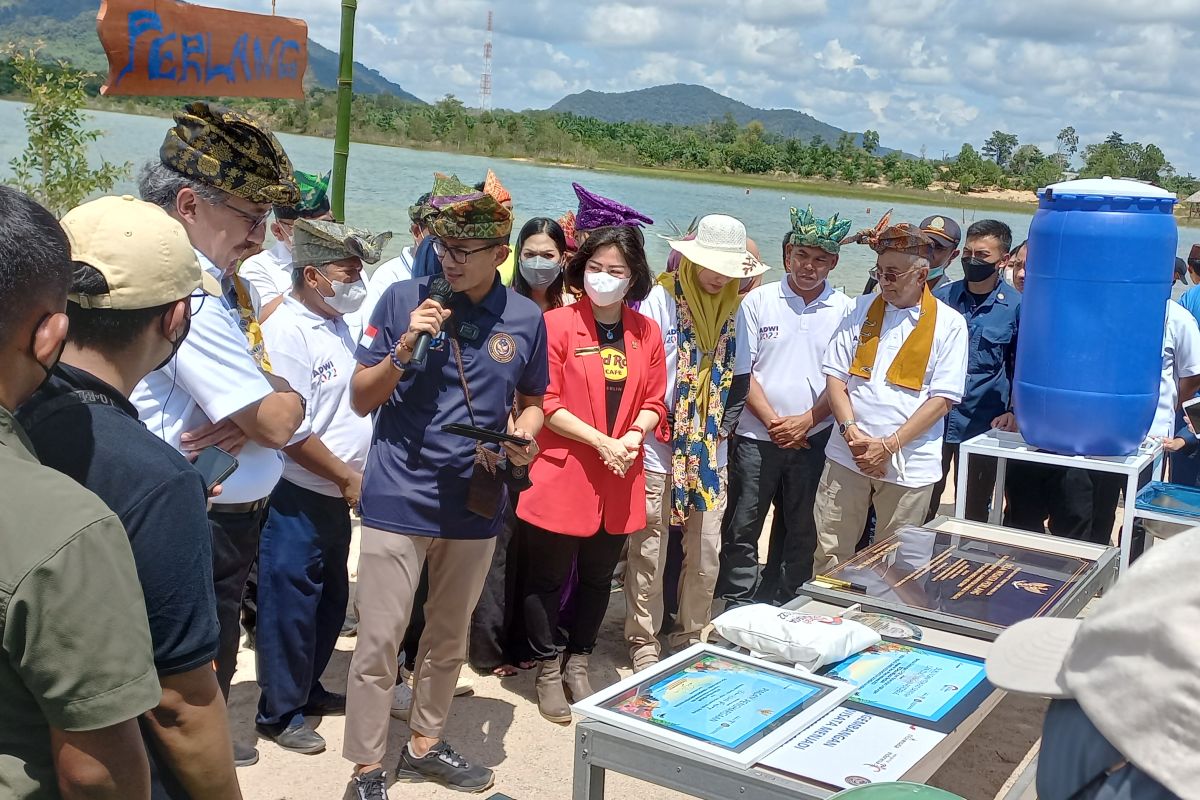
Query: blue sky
[926,74]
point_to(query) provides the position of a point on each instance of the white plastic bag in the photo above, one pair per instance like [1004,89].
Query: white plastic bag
[807,640]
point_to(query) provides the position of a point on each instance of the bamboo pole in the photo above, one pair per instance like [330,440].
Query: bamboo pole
[341,141]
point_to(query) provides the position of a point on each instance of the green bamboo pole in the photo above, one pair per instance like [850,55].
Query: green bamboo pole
[341,140]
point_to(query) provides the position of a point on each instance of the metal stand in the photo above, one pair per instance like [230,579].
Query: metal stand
[1010,446]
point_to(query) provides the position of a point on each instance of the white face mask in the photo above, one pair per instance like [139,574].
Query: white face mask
[605,289]
[347,297]
[539,272]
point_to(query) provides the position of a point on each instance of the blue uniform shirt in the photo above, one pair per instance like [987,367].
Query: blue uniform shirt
[992,353]
[1191,301]
[416,477]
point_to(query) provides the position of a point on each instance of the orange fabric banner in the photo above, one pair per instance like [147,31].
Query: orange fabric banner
[165,47]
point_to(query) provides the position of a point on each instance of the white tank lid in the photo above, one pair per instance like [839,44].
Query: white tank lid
[1108,187]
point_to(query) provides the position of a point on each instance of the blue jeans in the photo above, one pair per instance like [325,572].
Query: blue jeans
[303,588]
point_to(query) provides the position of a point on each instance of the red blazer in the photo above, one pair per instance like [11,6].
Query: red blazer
[573,492]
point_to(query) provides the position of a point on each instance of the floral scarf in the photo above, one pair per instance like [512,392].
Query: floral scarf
[704,375]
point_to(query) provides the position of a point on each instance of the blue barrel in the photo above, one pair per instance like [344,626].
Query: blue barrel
[1097,280]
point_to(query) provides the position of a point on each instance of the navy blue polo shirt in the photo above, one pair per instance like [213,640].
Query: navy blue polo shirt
[416,477]
[992,352]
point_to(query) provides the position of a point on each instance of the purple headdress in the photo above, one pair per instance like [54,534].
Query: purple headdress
[600,212]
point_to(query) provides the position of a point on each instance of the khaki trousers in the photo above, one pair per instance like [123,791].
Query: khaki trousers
[843,498]
[648,560]
[389,568]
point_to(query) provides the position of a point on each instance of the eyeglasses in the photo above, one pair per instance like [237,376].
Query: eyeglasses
[457,254]
[614,270]
[254,222]
[889,277]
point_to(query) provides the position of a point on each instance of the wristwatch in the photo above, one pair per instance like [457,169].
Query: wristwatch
[845,426]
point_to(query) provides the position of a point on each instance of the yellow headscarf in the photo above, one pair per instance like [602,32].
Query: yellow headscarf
[710,312]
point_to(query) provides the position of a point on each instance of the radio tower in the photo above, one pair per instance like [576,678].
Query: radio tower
[485,80]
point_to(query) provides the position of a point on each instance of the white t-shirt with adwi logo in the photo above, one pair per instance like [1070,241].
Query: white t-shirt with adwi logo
[316,356]
[781,342]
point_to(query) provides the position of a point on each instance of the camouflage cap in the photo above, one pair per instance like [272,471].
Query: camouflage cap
[317,242]
[464,213]
[231,151]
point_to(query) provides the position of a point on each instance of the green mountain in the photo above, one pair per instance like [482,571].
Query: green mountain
[68,30]
[686,104]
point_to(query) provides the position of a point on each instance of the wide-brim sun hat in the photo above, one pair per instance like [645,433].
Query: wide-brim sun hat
[720,246]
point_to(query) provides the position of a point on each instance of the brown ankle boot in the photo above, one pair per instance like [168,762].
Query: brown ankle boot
[575,677]
[551,700]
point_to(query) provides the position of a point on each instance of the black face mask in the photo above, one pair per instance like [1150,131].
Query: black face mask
[175,345]
[32,344]
[977,270]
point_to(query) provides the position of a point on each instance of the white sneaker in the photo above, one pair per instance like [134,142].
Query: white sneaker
[465,684]
[401,701]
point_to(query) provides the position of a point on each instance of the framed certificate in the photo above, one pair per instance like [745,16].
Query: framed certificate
[914,684]
[718,703]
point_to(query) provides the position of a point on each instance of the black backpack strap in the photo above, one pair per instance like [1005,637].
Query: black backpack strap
[79,397]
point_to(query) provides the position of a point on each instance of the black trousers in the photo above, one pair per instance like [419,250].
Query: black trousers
[1070,502]
[981,482]
[497,626]
[549,564]
[235,540]
[759,473]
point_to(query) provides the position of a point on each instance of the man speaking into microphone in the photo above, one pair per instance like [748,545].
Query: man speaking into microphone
[429,496]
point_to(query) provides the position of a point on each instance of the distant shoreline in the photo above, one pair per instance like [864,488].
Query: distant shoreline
[936,198]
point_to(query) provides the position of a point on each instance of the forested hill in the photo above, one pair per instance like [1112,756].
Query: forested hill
[686,104]
[67,29]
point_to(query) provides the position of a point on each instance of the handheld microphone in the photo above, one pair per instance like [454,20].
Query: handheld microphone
[441,293]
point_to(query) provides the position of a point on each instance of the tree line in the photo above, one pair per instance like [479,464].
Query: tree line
[720,146]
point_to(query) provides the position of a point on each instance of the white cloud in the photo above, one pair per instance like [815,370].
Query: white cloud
[932,72]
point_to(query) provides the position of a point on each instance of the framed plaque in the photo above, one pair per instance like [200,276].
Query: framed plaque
[717,703]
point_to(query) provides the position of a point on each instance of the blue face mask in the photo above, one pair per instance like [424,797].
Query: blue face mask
[935,273]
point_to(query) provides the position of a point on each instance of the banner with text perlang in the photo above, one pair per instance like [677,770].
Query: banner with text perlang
[165,47]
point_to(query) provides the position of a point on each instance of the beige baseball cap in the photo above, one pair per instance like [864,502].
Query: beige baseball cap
[142,252]
[1133,664]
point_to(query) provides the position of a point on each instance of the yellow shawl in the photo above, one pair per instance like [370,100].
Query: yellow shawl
[249,325]
[908,368]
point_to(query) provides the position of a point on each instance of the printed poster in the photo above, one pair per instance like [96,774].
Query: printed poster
[848,748]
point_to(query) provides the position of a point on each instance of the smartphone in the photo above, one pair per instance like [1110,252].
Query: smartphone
[1192,409]
[214,465]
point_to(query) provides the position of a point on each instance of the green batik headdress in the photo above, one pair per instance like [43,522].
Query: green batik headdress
[314,191]
[463,212]
[809,230]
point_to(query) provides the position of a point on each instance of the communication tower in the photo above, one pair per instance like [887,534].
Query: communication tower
[485,79]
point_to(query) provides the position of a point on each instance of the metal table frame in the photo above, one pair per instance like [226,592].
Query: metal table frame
[1005,446]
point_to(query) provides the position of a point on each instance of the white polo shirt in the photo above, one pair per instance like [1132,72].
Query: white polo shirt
[661,307]
[316,356]
[269,273]
[211,377]
[1180,359]
[879,407]
[781,343]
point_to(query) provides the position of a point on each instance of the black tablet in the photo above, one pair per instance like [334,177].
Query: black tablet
[483,434]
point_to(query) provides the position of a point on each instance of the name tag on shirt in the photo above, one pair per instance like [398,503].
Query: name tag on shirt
[587,351]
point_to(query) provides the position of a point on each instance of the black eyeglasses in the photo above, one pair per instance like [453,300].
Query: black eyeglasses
[254,222]
[457,254]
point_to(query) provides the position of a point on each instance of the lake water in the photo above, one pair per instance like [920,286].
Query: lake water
[383,181]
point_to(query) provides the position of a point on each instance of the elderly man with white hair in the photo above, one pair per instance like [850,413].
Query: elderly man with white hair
[893,371]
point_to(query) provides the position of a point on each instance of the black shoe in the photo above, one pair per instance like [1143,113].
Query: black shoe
[331,704]
[371,785]
[298,738]
[244,755]
[442,765]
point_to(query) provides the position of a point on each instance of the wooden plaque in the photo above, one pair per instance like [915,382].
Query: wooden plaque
[165,47]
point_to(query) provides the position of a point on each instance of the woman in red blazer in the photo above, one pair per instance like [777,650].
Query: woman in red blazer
[607,382]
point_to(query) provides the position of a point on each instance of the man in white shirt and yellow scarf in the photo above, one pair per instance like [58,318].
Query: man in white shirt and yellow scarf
[893,371]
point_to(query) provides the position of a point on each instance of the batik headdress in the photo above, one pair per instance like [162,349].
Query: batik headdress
[464,213]
[596,211]
[496,189]
[318,242]
[809,230]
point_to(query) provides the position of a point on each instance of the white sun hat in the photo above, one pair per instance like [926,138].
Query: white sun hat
[720,245]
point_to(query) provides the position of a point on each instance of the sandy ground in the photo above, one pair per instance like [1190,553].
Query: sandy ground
[499,726]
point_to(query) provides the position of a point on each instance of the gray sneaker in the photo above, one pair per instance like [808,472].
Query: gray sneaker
[371,785]
[443,765]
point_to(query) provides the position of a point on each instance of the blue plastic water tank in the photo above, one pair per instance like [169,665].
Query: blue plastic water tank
[1097,280]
